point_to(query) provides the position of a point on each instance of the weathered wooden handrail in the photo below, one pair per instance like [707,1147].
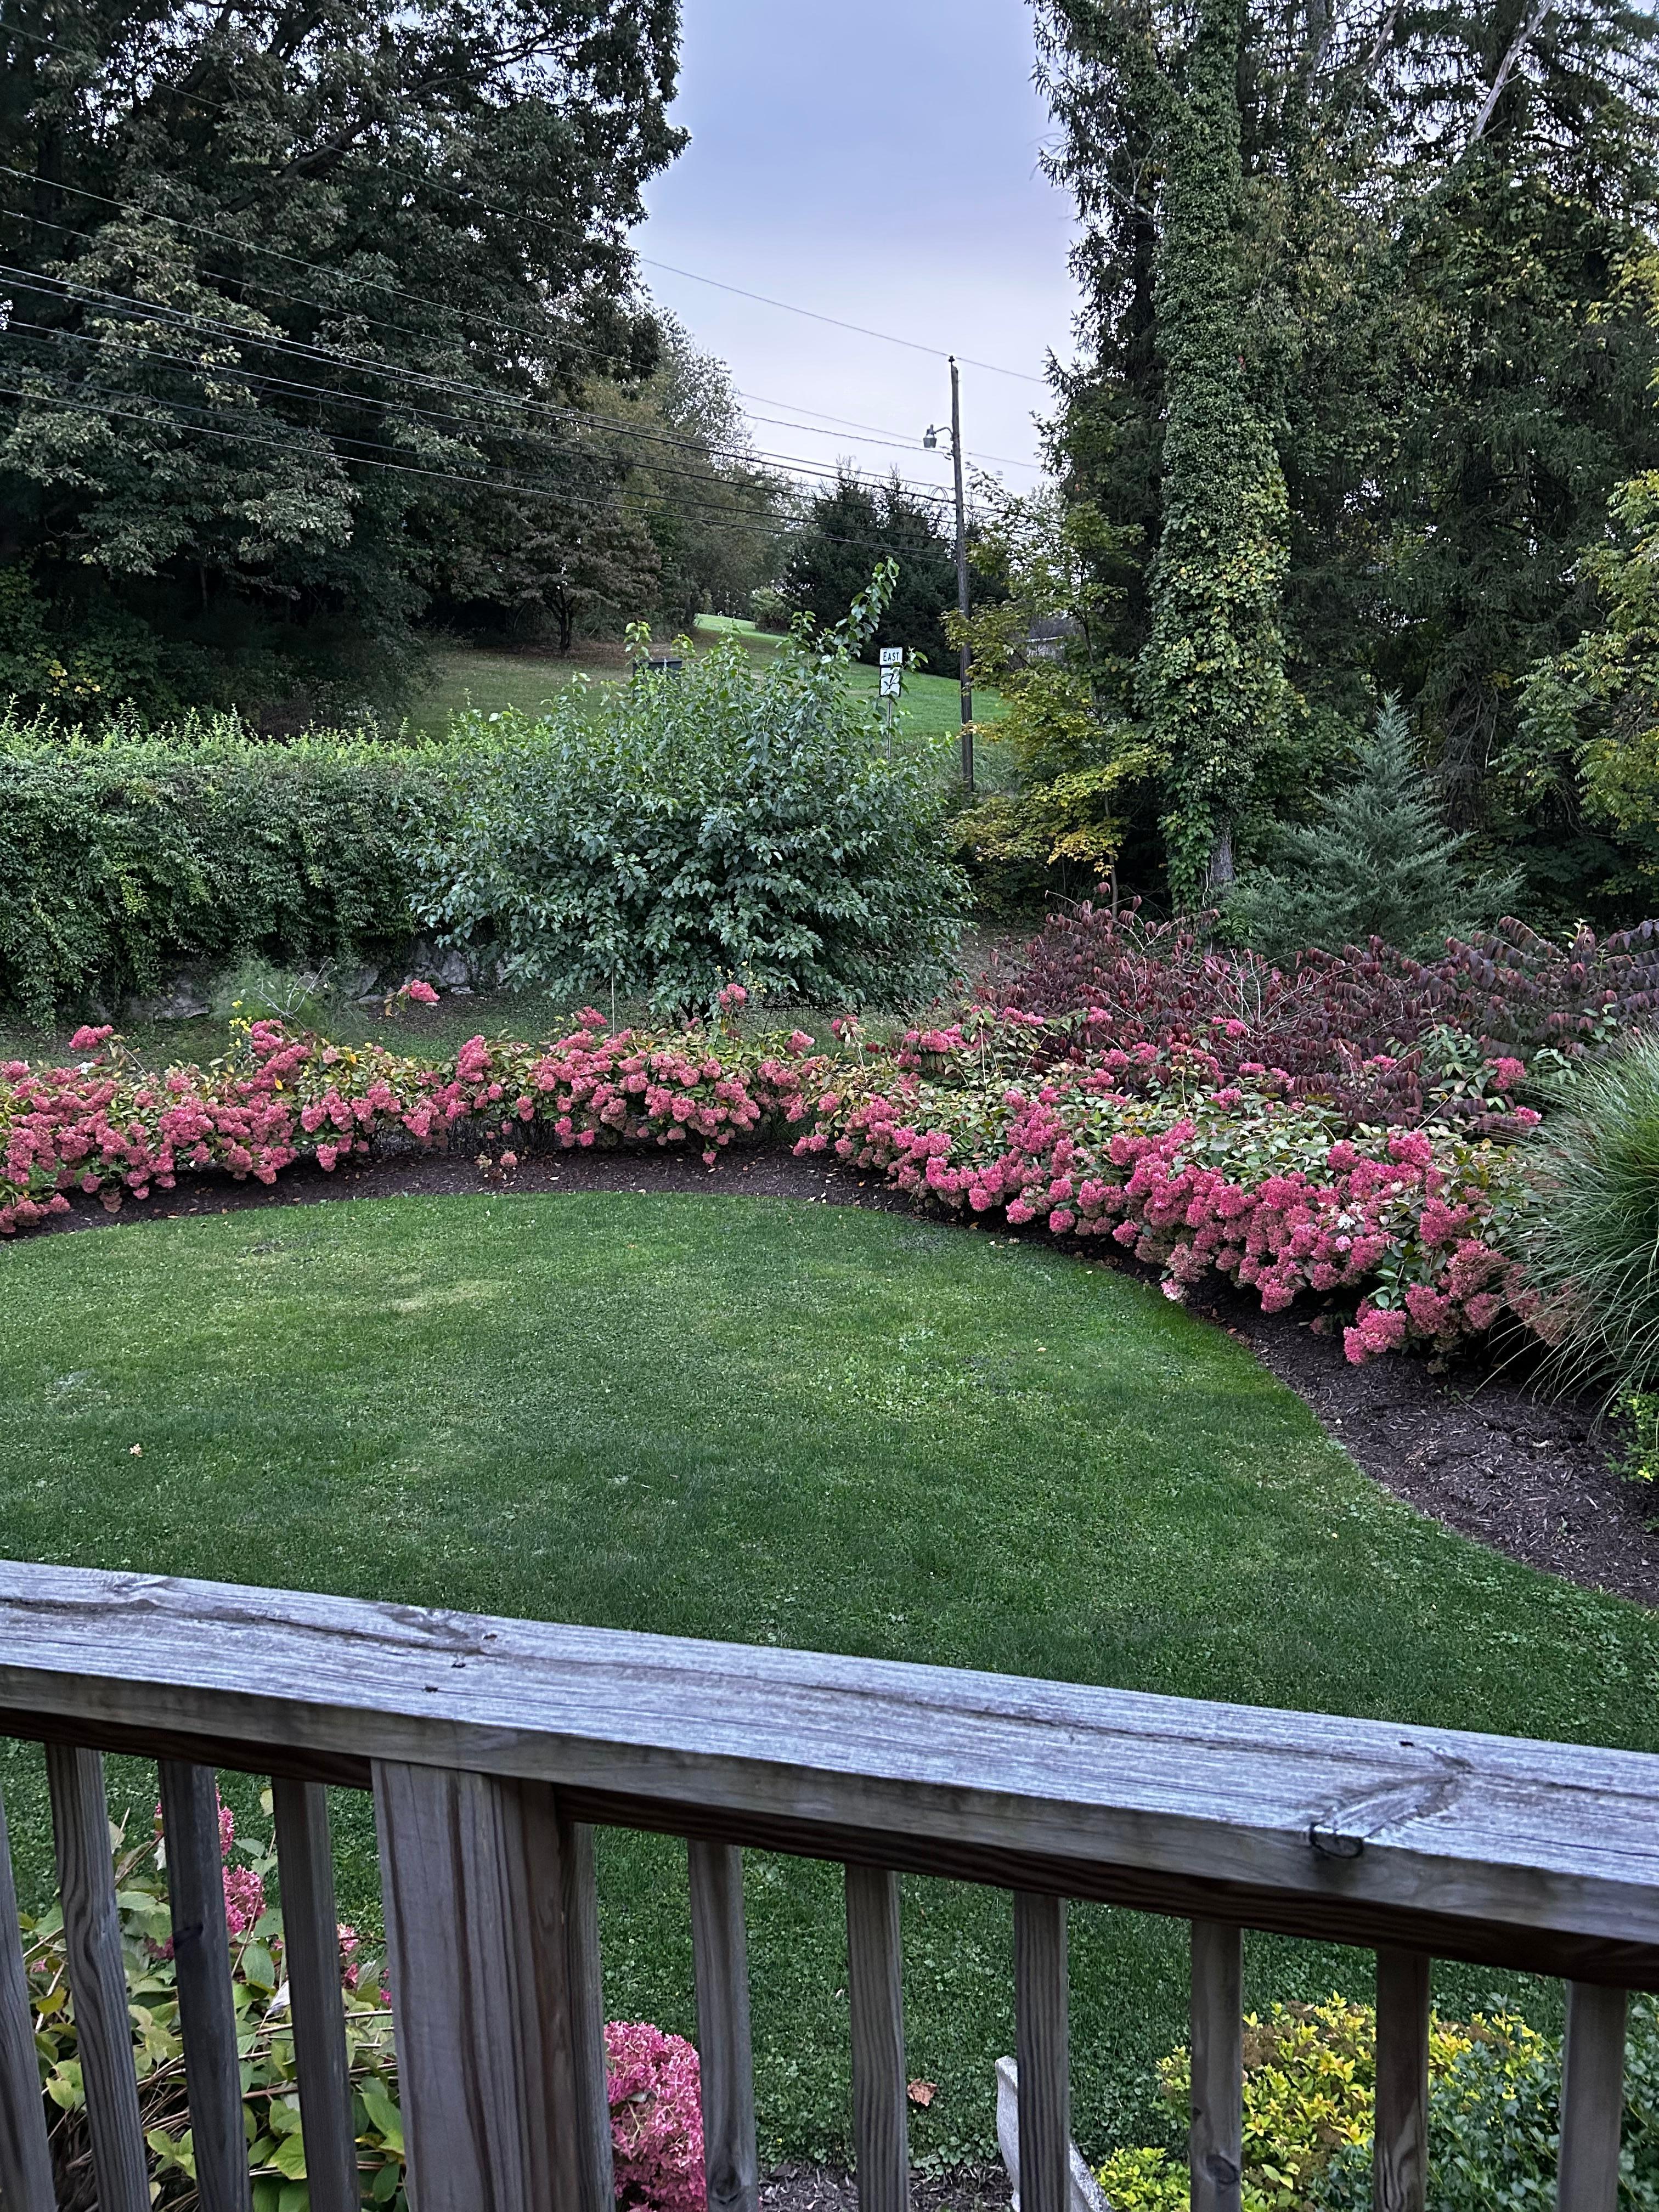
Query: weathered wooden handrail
[492,1746]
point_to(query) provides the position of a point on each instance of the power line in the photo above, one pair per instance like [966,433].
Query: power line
[429,179]
[882,433]
[807,464]
[301,386]
[863,330]
[480,482]
[78,292]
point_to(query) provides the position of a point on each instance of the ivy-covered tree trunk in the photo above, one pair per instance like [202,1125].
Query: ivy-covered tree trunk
[1211,680]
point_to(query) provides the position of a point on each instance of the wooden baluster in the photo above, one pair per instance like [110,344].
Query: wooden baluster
[881,2134]
[1216,2147]
[582,1920]
[97,1976]
[473,1887]
[1043,2053]
[311,1958]
[719,1950]
[201,1961]
[1400,2166]
[1592,2099]
[26,2182]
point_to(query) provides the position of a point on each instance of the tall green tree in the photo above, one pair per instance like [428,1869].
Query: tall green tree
[1421,256]
[848,524]
[305,296]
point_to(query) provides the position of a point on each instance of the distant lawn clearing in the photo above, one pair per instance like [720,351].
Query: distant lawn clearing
[776,1423]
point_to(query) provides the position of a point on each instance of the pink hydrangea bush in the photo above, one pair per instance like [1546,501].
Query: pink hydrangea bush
[104,1126]
[1192,1171]
[655,2085]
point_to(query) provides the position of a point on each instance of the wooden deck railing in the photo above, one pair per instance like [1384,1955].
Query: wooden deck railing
[493,1746]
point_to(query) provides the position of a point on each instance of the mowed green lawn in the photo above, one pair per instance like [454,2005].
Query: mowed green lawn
[804,1424]
[471,675]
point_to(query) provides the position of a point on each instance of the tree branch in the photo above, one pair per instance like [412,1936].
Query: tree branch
[1522,38]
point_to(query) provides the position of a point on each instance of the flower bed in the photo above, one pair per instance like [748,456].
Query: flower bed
[104,1125]
[1187,1164]
[1192,1169]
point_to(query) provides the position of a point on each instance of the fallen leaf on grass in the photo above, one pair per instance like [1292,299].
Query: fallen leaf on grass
[923,2093]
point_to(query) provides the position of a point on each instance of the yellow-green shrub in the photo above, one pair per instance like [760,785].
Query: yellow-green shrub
[1309,2094]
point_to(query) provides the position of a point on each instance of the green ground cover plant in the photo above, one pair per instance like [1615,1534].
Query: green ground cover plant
[776,1423]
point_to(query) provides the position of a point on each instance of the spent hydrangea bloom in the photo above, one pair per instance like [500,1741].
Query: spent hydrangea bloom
[418,993]
[653,2082]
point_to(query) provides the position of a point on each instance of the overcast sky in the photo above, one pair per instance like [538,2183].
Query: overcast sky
[875,159]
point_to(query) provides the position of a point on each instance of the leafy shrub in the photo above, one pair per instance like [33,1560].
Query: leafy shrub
[652,2079]
[1368,1028]
[1594,1254]
[1309,2102]
[123,855]
[660,837]
[264,2036]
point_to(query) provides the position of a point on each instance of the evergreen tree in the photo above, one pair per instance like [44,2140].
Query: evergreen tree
[845,528]
[1379,862]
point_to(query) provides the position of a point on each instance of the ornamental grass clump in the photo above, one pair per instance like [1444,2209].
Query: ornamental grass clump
[1593,1256]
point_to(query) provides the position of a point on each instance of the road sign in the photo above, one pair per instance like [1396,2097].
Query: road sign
[891,683]
[892,656]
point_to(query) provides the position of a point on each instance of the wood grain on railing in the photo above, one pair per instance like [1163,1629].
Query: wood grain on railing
[720,1953]
[1400,2164]
[473,1892]
[1592,2100]
[582,1930]
[201,1964]
[1215,2149]
[26,2183]
[1042,2052]
[1468,1846]
[97,1976]
[311,1957]
[875,1997]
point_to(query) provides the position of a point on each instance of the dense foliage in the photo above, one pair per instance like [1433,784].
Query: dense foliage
[1368,351]
[652,2079]
[733,820]
[1309,2101]
[1377,862]
[121,856]
[313,317]
[828,564]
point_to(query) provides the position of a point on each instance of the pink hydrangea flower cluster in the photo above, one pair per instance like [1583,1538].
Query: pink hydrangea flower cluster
[245,1888]
[654,2084]
[104,1127]
[1243,1178]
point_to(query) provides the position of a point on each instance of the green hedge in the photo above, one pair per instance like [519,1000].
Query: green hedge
[124,855]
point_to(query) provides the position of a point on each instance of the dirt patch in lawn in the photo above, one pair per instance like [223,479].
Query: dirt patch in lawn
[1477,1449]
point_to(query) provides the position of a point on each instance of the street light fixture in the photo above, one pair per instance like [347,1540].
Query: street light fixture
[930,438]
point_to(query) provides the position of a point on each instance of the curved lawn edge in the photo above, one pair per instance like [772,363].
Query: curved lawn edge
[1474,1449]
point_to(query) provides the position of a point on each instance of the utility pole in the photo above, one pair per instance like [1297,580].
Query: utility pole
[962,576]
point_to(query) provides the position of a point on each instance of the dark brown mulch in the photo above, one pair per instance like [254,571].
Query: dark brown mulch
[1478,1451]
[827,2188]
[1535,1476]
